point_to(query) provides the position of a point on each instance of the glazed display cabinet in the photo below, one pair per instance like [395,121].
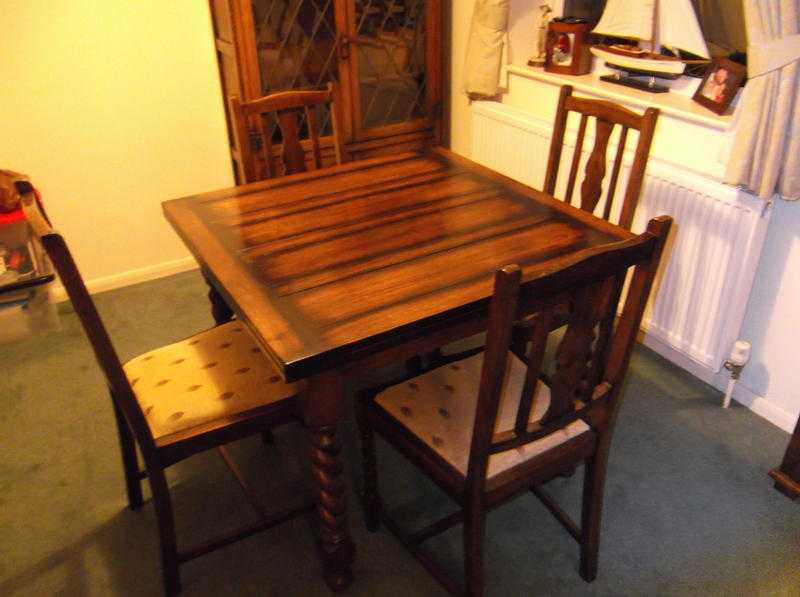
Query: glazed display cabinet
[386,56]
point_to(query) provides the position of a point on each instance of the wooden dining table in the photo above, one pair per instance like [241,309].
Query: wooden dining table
[350,268]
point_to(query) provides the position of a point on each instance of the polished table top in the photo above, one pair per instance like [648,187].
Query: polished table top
[327,264]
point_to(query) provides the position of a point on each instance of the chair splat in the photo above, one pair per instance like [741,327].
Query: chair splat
[292,118]
[535,357]
[293,156]
[606,116]
[591,188]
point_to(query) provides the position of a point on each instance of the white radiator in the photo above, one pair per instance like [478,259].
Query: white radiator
[700,298]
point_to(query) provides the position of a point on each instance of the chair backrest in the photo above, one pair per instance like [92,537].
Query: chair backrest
[84,306]
[593,355]
[606,115]
[268,132]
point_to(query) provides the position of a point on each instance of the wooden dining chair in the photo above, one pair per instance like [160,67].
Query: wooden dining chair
[606,116]
[485,426]
[269,132]
[178,400]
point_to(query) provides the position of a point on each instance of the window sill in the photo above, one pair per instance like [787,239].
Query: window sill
[674,104]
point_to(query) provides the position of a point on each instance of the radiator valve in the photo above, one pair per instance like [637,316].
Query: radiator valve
[735,363]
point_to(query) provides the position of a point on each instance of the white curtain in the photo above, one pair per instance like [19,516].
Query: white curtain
[485,47]
[766,150]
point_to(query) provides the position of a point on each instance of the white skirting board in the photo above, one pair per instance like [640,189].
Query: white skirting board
[134,276]
[760,405]
[712,254]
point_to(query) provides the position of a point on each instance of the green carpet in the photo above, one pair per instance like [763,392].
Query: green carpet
[689,507]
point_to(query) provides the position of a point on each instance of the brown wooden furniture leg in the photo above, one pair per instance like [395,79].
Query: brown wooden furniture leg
[130,462]
[370,498]
[323,408]
[474,531]
[166,529]
[220,310]
[591,510]
[787,476]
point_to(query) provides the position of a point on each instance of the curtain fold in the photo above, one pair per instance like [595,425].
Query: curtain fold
[485,47]
[766,149]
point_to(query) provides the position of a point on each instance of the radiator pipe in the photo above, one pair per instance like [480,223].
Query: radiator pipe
[735,363]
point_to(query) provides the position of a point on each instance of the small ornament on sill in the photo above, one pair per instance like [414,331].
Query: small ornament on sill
[541,36]
[567,47]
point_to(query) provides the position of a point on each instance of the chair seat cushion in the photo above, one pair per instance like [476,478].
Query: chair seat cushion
[439,408]
[214,374]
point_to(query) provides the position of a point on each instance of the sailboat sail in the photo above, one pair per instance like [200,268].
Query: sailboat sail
[678,27]
[671,23]
[632,19]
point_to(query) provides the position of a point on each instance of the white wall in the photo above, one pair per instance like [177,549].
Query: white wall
[770,384]
[771,381]
[111,108]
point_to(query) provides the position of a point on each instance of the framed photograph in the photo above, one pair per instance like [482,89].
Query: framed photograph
[720,84]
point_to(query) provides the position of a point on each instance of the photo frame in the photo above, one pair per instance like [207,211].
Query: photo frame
[720,84]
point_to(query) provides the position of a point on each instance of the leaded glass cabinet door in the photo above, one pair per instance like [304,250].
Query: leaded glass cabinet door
[385,54]
[296,48]
[394,52]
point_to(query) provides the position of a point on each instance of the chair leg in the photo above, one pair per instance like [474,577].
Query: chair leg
[166,530]
[474,531]
[593,483]
[370,498]
[130,462]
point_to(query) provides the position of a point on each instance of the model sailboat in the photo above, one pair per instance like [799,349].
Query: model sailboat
[671,23]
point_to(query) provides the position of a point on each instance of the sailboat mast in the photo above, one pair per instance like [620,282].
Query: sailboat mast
[654,30]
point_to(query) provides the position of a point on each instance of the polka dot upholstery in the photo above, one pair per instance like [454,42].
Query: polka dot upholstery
[213,374]
[439,408]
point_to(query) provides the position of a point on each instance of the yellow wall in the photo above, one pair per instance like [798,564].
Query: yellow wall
[112,107]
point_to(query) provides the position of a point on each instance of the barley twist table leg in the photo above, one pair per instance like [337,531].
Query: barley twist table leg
[323,407]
